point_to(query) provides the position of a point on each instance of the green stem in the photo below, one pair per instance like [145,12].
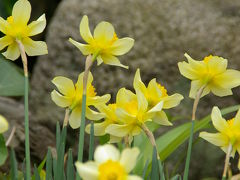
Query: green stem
[186,170]
[27,148]
[91,144]
[81,132]
[194,110]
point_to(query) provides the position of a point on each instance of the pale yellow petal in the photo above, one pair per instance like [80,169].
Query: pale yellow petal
[217,139]
[98,100]
[153,89]
[93,115]
[119,130]
[64,85]
[84,48]
[12,52]
[124,96]
[198,66]
[172,101]
[104,32]
[114,139]
[75,118]
[106,152]
[36,27]
[60,100]
[219,91]
[99,60]
[124,116]
[217,65]
[34,48]
[134,177]
[128,158]
[228,79]
[138,84]
[195,86]
[5,41]
[158,107]
[142,102]
[3,125]
[84,30]
[112,60]
[219,123]
[121,46]
[88,170]
[136,130]
[161,118]
[99,128]
[3,25]
[236,122]
[21,12]
[187,71]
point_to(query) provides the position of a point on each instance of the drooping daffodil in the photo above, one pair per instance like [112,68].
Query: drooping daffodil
[104,44]
[70,96]
[211,74]
[228,132]
[110,118]
[155,93]
[3,125]
[109,164]
[16,28]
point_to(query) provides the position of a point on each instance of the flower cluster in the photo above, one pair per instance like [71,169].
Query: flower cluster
[131,110]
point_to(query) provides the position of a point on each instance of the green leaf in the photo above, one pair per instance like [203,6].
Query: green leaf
[176,177]
[36,173]
[11,79]
[91,143]
[13,162]
[49,165]
[171,140]
[3,150]
[70,168]
[155,167]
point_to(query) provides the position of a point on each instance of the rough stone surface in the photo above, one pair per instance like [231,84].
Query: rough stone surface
[163,29]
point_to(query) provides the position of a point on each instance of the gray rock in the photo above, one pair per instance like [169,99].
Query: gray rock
[163,31]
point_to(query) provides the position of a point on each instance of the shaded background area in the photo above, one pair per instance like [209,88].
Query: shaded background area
[163,30]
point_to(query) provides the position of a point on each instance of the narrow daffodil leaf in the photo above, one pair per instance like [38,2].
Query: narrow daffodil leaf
[155,167]
[91,144]
[49,165]
[145,169]
[36,174]
[70,167]
[13,162]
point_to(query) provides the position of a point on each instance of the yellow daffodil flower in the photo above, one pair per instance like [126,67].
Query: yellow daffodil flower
[3,125]
[109,164]
[132,112]
[70,96]
[155,93]
[229,132]
[16,27]
[104,44]
[110,118]
[210,73]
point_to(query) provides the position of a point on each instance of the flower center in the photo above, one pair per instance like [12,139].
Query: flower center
[230,122]
[91,91]
[10,19]
[163,90]
[132,107]
[112,170]
[207,59]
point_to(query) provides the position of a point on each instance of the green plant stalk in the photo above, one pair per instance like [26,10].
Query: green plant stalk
[195,105]
[88,64]
[186,170]
[27,147]
[91,144]
[26,114]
